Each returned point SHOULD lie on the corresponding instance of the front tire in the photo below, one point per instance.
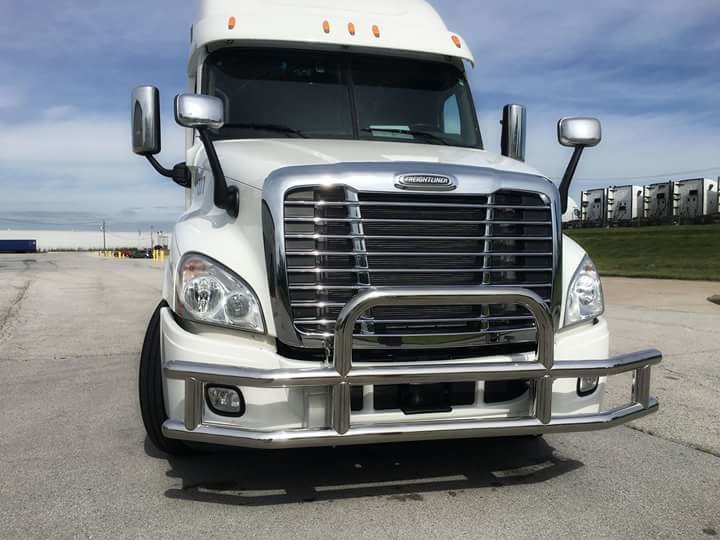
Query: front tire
(152, 400)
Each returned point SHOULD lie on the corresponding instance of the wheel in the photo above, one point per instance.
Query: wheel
(152, 402)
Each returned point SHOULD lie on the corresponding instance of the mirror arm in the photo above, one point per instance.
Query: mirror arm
(569, 175)
(179, 174)
(226, 197)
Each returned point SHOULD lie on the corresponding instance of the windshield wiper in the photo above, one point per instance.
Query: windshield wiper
(269, 127)
(415, 133)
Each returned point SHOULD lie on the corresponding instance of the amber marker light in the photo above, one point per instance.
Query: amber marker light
(351, 29)
(232, 22)
(376, 30)
(326, 27)
(457, 41)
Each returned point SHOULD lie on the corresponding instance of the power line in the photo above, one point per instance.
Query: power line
(649, 176)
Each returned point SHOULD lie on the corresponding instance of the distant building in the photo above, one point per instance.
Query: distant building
(84, 240)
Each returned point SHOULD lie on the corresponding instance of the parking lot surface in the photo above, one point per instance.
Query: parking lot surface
(74, 461)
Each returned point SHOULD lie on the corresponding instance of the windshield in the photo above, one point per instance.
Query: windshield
(273, 93)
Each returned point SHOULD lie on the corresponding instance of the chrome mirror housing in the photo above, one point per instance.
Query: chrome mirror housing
(577, 131)
(145, 113)
(198, 111)
(513, 132)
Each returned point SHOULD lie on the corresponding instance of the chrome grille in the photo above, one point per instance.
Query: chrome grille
(339, 241)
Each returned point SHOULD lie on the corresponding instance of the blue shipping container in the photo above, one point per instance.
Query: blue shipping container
(18, 246)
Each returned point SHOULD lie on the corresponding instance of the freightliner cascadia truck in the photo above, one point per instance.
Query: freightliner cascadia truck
(353, 267)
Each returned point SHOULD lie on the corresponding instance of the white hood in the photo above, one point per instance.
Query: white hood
(251, 161)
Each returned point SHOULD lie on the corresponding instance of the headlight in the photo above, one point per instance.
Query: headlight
(585, 296)
(209, 293)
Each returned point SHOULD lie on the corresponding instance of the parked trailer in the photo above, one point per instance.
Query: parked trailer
(595, 207)
(661, 202)
(573, 215)
(18, 246)
(698, 198)
(625, 203)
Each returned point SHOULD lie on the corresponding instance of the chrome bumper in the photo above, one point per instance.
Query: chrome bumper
(341, 376)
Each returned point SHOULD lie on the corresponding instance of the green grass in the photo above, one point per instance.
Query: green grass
(670, 252)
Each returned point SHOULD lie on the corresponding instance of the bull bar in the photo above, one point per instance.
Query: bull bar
(342, 375)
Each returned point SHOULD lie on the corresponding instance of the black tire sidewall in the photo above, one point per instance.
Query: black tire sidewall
(150, 386)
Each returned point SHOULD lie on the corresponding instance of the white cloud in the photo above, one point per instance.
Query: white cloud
(61, 142)
(82, 163)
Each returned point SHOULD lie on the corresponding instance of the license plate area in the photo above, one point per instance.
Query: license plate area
(413, 399)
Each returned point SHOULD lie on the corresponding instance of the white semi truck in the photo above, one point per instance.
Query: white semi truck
(353, 266)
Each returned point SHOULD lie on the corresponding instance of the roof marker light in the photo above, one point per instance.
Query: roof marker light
(232, 21)
(326, 27)
(376, 30)
(457, 41)
(351, 29)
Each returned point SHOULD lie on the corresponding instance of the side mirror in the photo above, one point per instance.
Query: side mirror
(513, 132)
(145, 108)
(579, 133)
(199, 111)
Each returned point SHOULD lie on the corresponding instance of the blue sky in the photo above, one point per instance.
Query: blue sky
(650, 69)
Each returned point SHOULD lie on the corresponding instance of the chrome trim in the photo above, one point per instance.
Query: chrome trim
(196, 111)
(380, 178)
(579, 131)
(445, 221)
(542, 371)
(360, 304)
(410, 254)
(514, 129)
(145, 120)
(486, 370)
(426, 182)
(385, 237)
(478, 270)
(395, 433)
(193, 403)
(328, 322)
(344, 287)
(400, 204)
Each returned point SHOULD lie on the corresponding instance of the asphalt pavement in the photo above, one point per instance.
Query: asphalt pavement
(74, 461)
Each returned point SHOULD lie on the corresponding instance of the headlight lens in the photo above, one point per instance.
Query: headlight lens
(207, 292)
(585, 298)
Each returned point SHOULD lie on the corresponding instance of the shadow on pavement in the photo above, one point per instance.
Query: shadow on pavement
(399, 471)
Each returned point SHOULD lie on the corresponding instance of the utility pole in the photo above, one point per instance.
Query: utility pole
(152, 245)
(104, 228)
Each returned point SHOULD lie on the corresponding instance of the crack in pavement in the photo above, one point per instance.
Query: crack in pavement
(13, 310)
(686, 444)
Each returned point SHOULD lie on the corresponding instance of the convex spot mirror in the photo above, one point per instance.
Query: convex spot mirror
(198, 111)
(145, 109)
(578, 131)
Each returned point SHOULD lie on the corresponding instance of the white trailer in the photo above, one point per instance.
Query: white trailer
(698, 198)
(573, 215)
(661, 202)
(595, 207)
(625, 203)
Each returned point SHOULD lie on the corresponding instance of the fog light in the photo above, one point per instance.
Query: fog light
(587, 385)
(225, 400)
